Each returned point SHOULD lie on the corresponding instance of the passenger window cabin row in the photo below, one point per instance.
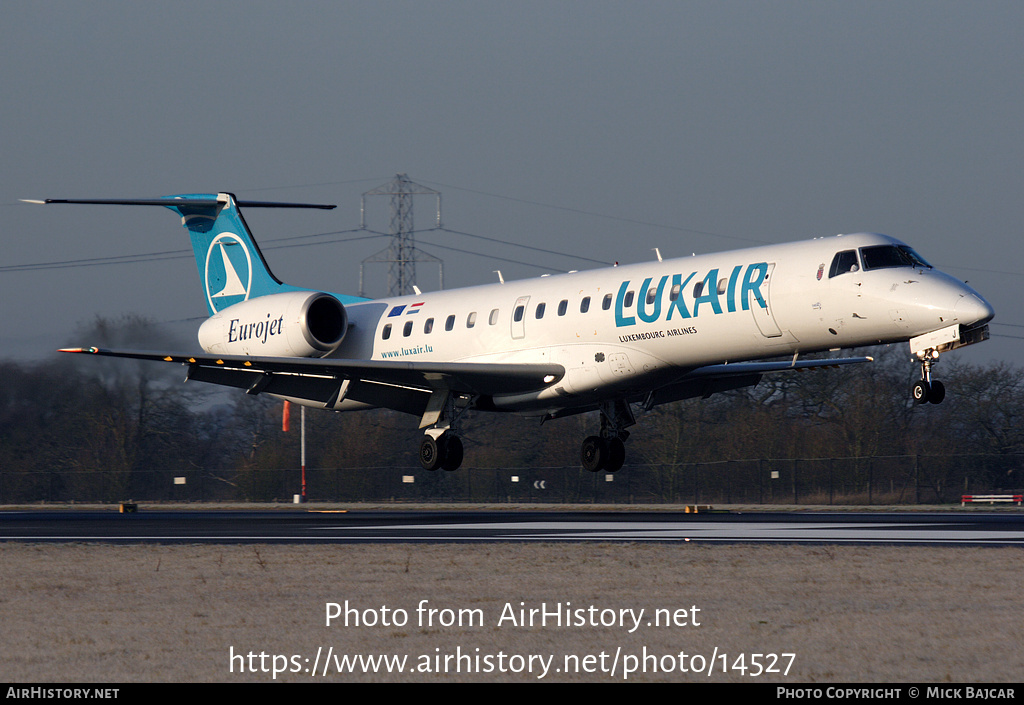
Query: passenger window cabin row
(492, 319)
(563, 306)
(875, 257)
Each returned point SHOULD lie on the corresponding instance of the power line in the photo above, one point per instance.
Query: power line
(527, 247)
(96, 261)
(294, 186)
(495, 257)
(177, 254)
(636, 221)
(289, 242)
(580, 211)
(954, 267)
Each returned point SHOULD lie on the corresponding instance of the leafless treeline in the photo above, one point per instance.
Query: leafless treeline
(84, 429)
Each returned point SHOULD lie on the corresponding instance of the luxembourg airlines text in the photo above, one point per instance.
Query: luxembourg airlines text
(651, 335)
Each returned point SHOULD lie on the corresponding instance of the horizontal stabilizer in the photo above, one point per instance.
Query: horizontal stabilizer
(175, 202)
(231, 267)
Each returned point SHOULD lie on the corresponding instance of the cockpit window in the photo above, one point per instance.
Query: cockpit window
(843, 263)
(882, 256)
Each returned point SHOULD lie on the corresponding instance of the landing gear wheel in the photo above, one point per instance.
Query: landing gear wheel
(616, 455)
(920, 392)
(594, 453)
(926, 389)
(431, 453)
(452, 452)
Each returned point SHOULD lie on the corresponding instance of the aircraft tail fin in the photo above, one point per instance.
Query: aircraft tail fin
(231, 266)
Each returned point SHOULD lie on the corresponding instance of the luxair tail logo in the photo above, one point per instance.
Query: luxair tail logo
(716, 293)
(228, 271)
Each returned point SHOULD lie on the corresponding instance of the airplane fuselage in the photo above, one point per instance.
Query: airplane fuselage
(624, 329)
(605, 339)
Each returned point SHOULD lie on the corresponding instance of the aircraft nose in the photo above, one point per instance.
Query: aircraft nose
(971, 309)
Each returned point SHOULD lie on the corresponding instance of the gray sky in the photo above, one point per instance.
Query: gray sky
(597, 128)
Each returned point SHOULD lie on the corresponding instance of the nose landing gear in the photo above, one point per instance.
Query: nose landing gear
(927, 390)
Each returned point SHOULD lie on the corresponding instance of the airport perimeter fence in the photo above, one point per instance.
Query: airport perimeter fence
(885, 480)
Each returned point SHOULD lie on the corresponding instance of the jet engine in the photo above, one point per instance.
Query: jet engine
(292, 324)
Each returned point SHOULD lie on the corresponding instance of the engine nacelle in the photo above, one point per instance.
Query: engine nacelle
(294, 324)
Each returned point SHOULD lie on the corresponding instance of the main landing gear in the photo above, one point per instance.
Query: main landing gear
(925, 389)
(608, 451)
(444, 451)
(441, 446)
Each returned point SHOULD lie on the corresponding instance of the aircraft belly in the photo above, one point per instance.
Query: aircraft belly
(582, 379)
(619, 374)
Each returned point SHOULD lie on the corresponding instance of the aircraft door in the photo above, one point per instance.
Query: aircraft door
(844, 287)
(519, 317)
(763, 313)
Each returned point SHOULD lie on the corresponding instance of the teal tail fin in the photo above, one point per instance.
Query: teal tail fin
(231, 266)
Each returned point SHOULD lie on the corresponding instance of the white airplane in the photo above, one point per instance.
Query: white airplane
(613, 339)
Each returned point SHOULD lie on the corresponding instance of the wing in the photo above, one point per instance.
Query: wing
(403, 386)
(408, 386)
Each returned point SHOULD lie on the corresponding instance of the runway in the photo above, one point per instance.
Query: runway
(307, 526)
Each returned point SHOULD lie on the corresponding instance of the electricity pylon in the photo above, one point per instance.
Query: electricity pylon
(402, 254)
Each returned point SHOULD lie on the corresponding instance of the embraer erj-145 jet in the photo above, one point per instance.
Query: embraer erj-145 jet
(614, 340)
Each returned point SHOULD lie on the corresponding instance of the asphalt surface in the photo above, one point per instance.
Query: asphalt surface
(313, 526)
